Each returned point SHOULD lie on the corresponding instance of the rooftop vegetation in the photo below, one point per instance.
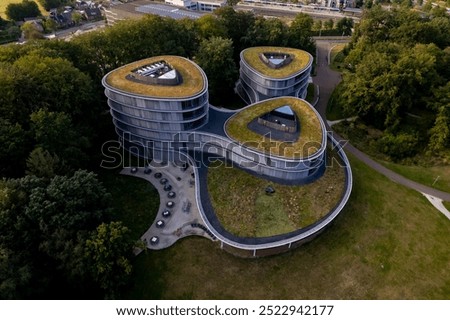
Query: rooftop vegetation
(300, 60)
(250, 212)
(192, 83)
(308, 142)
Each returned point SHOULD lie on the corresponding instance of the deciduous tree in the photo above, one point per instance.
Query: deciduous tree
(215, 57)
(19, 11)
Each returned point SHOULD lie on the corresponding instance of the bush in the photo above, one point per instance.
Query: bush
(399, 146)
(19, 11)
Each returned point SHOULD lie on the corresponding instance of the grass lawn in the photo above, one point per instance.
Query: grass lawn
(436, 177)
(447, 205)
(388, 243)
(135, 200)
(260, 215)
(337, 57)
(4, 4)
(335, 110)
(310, 93)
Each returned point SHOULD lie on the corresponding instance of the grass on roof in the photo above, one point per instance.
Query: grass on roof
(301, 60)
(193, 82)
(252, 213)
(308, 143)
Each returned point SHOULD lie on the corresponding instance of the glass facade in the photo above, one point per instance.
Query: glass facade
(264, 87)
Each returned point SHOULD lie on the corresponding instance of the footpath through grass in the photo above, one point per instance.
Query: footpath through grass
(337, 57)
(388, 243)
(437, 177)
(429, 171)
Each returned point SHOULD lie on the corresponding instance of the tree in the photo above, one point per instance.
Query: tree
(108, 253)
(399, 146)
(329, 24)
(211, 26)
(31, 31)
(20, 11)
(237, 24)
(54, 132)
(344, 26)
(55, 84)
(14, 145)
(300, 33)
(132, 40)
(14, 32)
(398, 62)
(268, 32)
(50, 25)
(215, 57)
(3, 22)
(318, 25)
(76, 17)
(42, 164)
(440, 132)
(52, 4)
(46, 223)
(14, 276)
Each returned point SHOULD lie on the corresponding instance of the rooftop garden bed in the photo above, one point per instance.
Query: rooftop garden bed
(308, 142)
(300, 61)
(244, 209)
(192, 79)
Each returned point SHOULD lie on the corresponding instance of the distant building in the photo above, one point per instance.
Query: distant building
(200, 5)
(92, 13)
(188, 4)
(63, 19)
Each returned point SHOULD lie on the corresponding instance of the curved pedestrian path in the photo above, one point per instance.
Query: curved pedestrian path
(327, 80)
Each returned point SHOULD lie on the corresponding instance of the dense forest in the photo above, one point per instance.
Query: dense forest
(398, 80)
(58, 236)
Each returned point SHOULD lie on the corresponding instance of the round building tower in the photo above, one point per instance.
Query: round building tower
(152, 100)
(268, 72)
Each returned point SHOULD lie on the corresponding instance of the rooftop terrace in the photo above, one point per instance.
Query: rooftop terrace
(308, 142)
(300, 60)
(192, 79)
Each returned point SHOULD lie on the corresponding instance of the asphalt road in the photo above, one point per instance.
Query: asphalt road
(327, 80)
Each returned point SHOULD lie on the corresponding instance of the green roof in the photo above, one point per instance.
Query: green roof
(193, 81)
(308, 142)
(301, 59)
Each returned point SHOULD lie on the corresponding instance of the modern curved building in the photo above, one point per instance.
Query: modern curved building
(160, 107)
(153, 99)
(267, 72)
(161, 112)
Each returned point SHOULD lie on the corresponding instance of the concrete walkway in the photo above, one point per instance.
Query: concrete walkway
(184, 219)
(328, 79)
(437, 203)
